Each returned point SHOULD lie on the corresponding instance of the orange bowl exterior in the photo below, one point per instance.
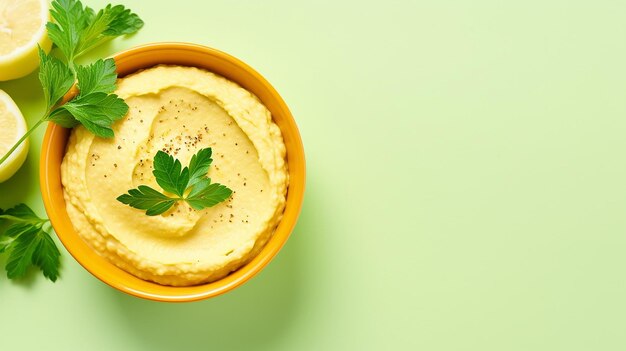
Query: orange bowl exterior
(132, 60)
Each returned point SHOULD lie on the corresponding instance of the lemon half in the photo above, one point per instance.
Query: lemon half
(22, 28)
(12, 127)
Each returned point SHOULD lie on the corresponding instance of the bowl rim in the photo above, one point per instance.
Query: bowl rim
(54, 202)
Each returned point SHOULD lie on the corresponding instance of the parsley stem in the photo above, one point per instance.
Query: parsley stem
(19, 142)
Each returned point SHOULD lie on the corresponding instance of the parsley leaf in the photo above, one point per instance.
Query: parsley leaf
(123, 21)
(22, 213)
(205, 194)
(5, 241)
(46, 256)
(70, 19)
(99, 77)
(28, 243)
(174, 179)
(21, 252)
(112, 21)
(17, 229)
(79, 29)
(146, 198)
(96, 111)
(63, 118)
(169, 175)
(56, 78)
(199, 165)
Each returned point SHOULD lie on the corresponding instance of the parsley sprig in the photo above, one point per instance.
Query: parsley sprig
(190, 184)
(79, 29)
(26, 239)
(76, 30)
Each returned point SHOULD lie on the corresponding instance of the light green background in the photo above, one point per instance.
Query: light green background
(466, 184)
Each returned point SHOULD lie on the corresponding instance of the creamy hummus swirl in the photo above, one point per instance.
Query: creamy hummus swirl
(179, 110)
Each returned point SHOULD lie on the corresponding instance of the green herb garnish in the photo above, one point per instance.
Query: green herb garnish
(23, 237)
(189, 184)
(77, 30)
(94, 107)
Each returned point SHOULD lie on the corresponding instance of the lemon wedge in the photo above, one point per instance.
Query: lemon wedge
(13, 126)
(22, 28)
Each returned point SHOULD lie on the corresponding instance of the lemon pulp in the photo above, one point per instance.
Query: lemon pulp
(22, 28)
(12, 127)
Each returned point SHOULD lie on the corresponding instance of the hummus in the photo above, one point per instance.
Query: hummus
(179, 110)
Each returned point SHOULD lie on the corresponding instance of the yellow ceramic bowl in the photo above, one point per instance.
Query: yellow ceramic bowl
(130, 61)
